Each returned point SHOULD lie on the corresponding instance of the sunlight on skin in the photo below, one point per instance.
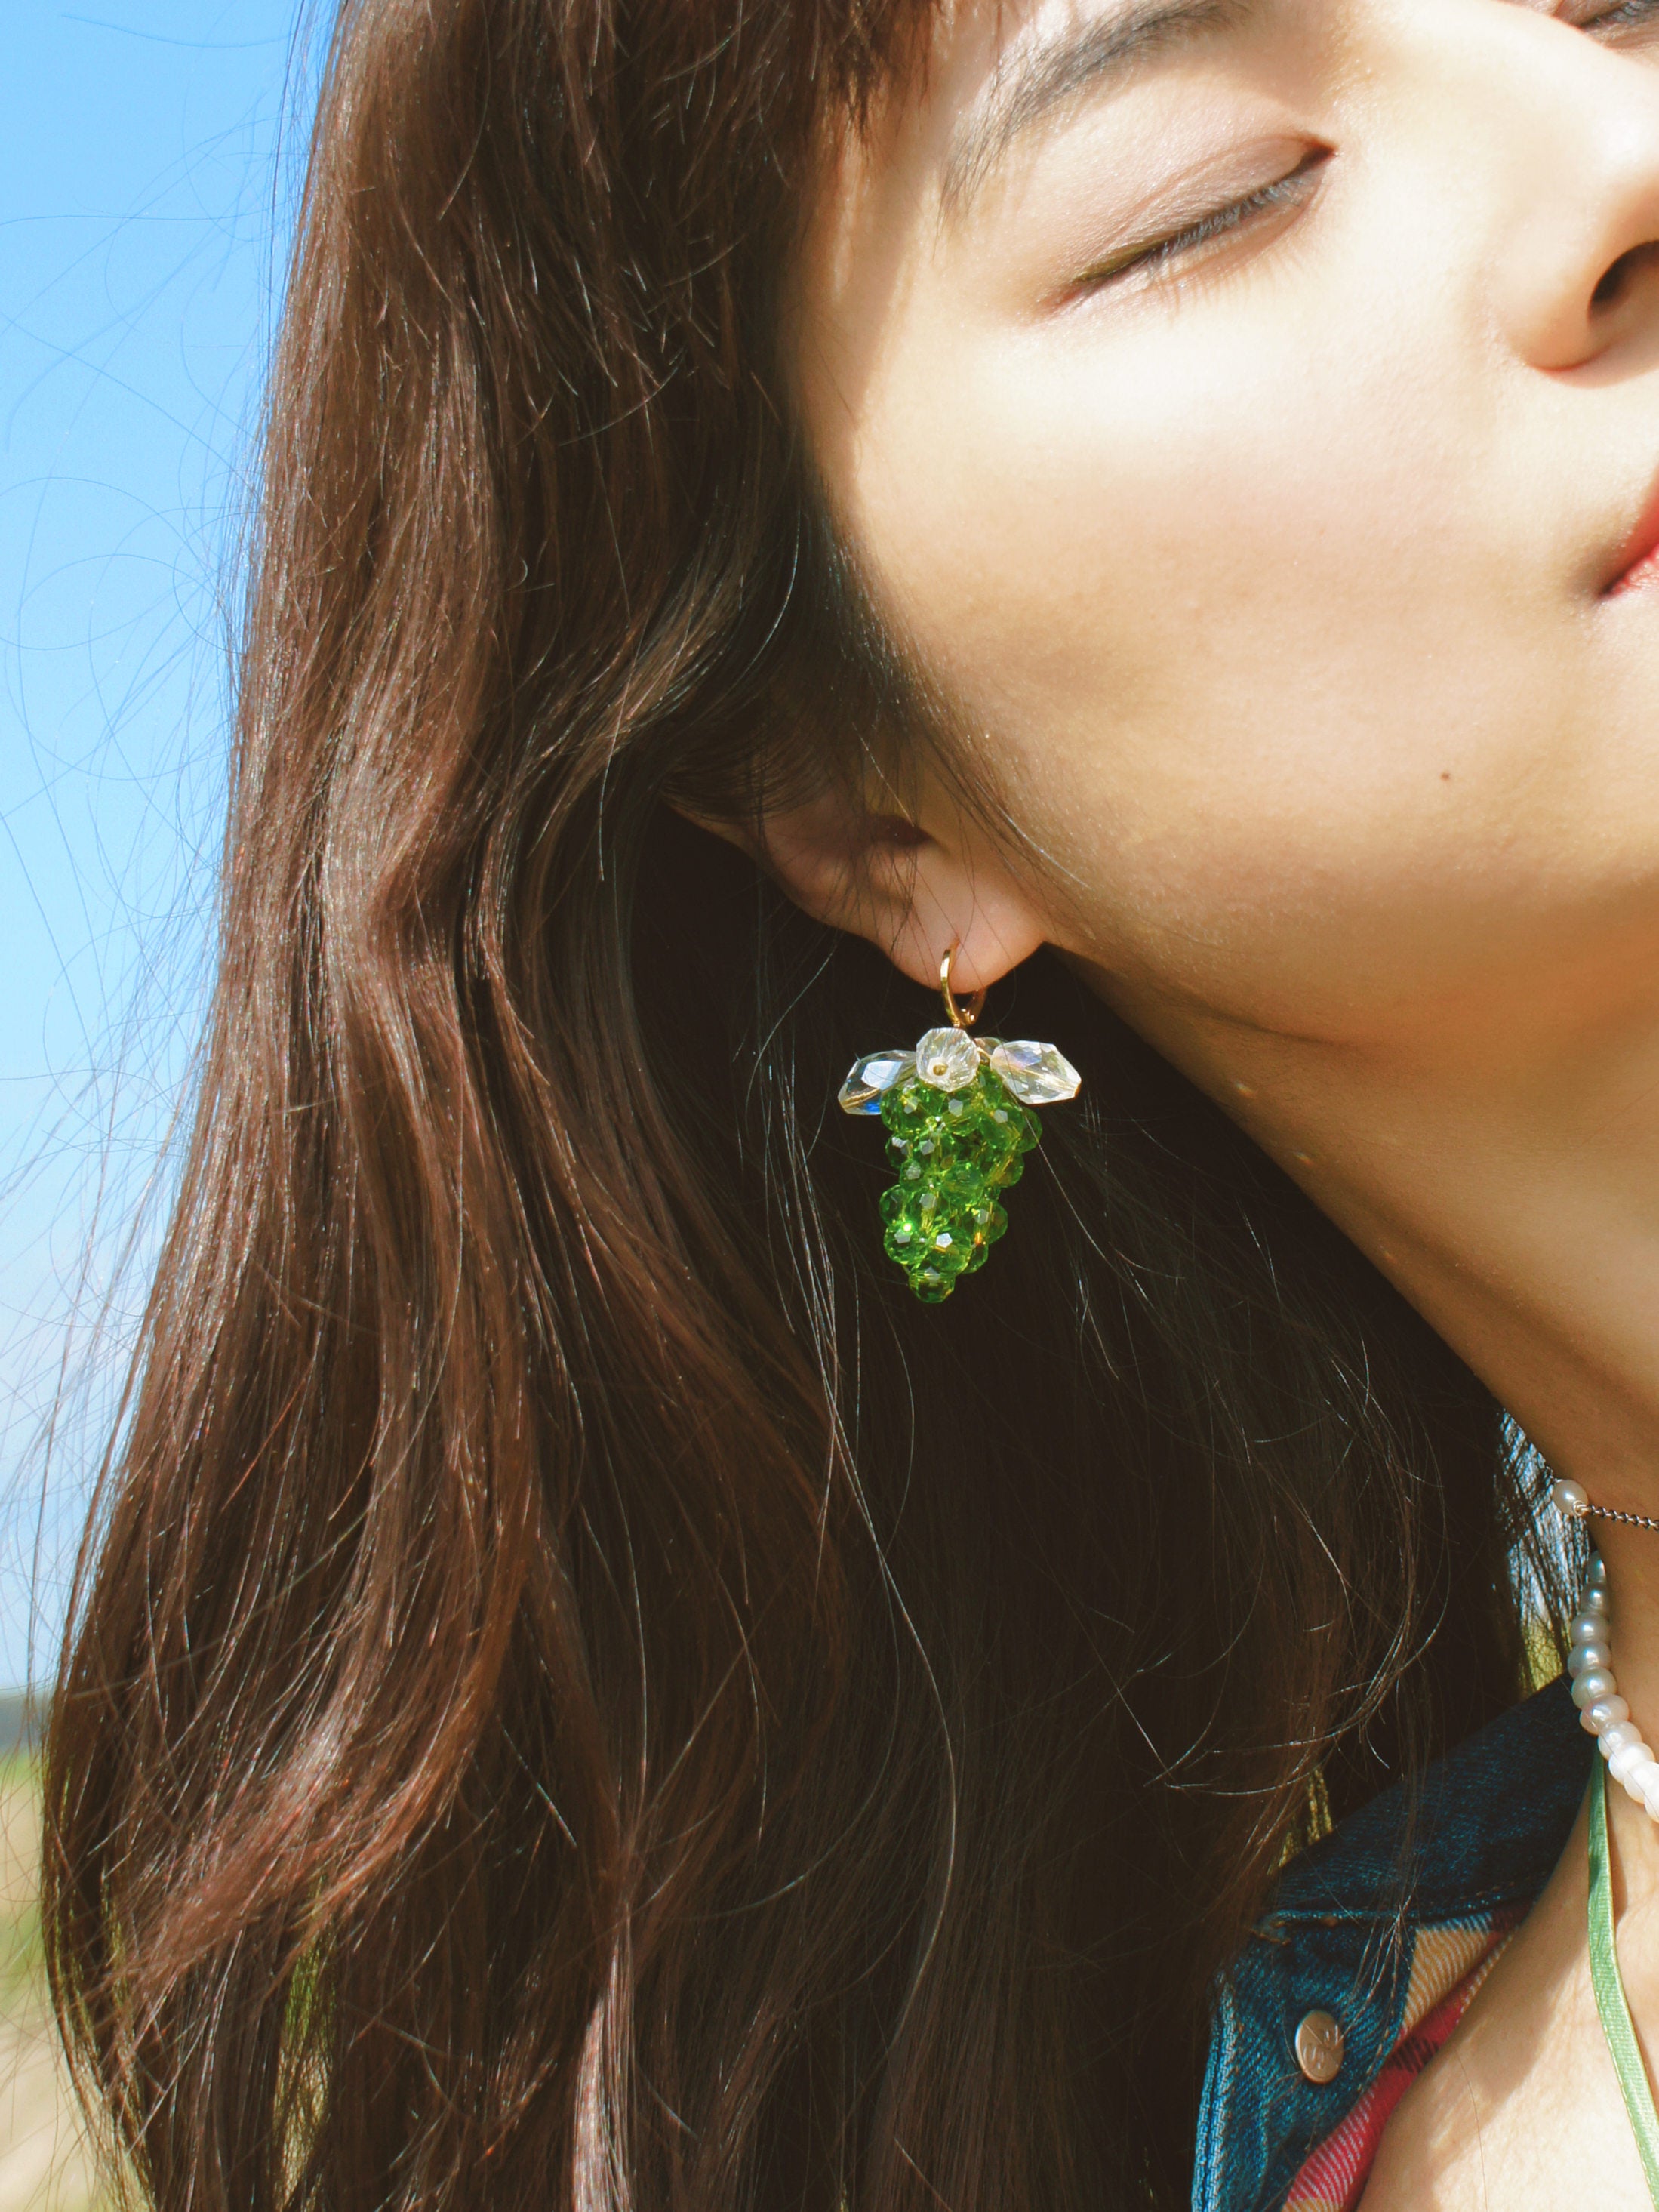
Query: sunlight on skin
(1293, 577)
(1279, 584)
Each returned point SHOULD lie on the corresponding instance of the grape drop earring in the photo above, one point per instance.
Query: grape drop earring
(958, 1127)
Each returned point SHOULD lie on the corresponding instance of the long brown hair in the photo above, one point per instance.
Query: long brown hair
(583, 1694)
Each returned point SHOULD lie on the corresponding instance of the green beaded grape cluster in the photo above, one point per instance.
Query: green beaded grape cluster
(955, 1151)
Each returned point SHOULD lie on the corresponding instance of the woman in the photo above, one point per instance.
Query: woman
(587, 1691)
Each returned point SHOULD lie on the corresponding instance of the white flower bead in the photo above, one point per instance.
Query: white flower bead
(1590, 1659)
(1604, 1712)
(947, 1059)
(1589, 1687)
(1569, 1496)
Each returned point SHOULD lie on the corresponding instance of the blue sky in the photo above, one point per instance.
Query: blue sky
(148, 162)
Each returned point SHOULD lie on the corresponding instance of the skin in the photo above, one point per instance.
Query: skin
(1274, 580)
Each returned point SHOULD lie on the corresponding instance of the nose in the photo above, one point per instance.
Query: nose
(1574, 135)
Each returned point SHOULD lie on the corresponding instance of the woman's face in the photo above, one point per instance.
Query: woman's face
(1250, 411)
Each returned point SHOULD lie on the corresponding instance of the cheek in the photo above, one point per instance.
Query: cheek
(1141, 527)
(1252, 672)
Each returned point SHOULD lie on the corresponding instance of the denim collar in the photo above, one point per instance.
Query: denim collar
(1492, 1819)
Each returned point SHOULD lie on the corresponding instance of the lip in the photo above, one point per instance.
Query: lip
(1639, 557)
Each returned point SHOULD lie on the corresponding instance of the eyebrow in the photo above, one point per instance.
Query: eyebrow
(1023, 91)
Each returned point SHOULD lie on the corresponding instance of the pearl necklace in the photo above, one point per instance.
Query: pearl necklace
(1606, 1714)
(1589, 1663)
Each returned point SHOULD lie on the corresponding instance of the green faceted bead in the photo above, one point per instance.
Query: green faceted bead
(949, 1243)
(918, 1141)
(931, 1287)
(904, 1241)
(910, 1212)
(987, 1224)
(962, 1184)
(994, 1125)
(1009, 1172)
(923, 1165)
(961, 1111)
(909, 1108)
(1017, 1130)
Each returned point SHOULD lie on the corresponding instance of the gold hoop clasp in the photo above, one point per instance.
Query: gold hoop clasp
(962, 1018)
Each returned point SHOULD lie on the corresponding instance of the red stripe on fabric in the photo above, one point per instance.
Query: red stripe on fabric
(1333, 2176)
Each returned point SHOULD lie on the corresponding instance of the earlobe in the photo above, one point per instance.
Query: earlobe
(912, 892)
(976, 909)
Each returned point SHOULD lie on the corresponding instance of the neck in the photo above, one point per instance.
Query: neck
(1507, 1181)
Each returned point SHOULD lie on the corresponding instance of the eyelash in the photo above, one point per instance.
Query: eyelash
(1151, 261)
(1622, 16)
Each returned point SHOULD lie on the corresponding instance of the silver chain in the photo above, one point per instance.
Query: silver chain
(1606, 1513)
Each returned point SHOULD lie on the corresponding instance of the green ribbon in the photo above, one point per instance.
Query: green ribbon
(1609, 1987)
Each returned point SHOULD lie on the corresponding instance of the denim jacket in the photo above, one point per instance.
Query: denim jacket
(1345, 1919)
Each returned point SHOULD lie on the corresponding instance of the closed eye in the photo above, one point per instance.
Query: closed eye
(1609, 18)
(1153, 258)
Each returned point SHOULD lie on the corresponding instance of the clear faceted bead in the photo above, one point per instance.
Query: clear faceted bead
(1036, 1073)
(871, 1078)
(947, 1059)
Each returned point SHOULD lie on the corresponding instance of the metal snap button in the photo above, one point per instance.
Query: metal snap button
(1319, 2047)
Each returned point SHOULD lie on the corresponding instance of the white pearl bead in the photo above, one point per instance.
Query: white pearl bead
(1600, 1709)
(1569, 1496)
(1626, 1759)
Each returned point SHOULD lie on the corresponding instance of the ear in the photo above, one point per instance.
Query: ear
(914, 889)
